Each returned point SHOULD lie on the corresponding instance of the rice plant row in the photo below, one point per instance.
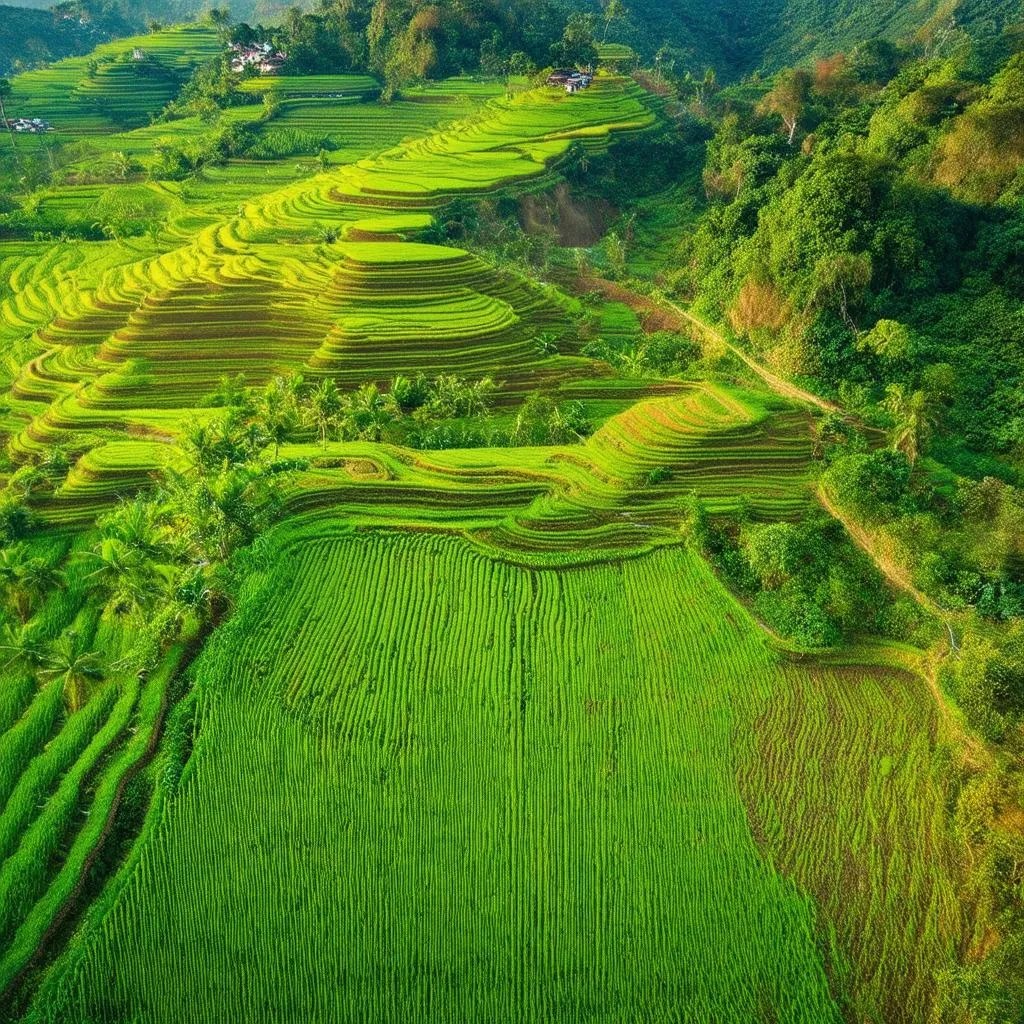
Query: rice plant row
(97, 749)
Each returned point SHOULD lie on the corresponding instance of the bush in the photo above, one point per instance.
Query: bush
(873, 486)
(277, 143)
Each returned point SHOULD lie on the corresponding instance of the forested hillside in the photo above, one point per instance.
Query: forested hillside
(790, 30)
(733, 38)
(31, 37)
(736, 38)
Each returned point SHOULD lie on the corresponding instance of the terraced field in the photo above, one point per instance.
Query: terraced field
(517, 795)
(107, 89)
(139, 345)
(483, 739)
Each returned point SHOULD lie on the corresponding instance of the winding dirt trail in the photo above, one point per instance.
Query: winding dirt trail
(974, 750)
(664, 314)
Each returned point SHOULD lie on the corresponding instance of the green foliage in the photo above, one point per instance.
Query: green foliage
(874, 486)
(273, 270)
(402, 43)
(659, 354)
(35, 37)
(576, 48)
(541, 420)
(807, 581)
(880, 249)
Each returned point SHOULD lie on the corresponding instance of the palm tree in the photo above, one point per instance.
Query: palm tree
(122, 164)
(201, 443)
(26, 581)
(139, 527)
(914, 420)
(364, 413)
(135, 558)
(479, 396)
(323, 407)
(130, 580)
(20, 650)
(278, 413)
(76, 670)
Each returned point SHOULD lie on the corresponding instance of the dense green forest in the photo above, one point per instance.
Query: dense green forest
(733, 38)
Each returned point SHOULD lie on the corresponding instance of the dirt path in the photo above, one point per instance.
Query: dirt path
(896, 574)
(974, 750)
(666, 315)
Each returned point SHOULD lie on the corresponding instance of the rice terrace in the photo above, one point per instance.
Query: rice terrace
(510, 513)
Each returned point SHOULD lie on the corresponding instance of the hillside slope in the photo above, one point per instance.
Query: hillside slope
(738, 37)
(793, 29)
(36, 36)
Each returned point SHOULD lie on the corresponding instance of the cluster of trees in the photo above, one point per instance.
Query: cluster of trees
(962, 539)
(742, 36)
(158, 568)
(807, 581)
(660, 354)
(401, 41)
(291, 409)
(446, 411)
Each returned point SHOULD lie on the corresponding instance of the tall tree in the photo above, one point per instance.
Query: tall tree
(5, 92)
(914, 420)
(787, 99)
(323, 407)
(613, 11)
(26, 581)
(576, 47)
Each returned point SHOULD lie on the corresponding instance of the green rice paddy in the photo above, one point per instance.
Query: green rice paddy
(431, 786)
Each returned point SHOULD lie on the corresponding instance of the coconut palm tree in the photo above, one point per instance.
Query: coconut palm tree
(76, 670)
(914, 420)
(135, 558)
(130, 581)
(323, 407)
(613, 10)
(26, 581)
(18, 649)
(122, 164)
(364, 414)
(140, 526)
(277, 413)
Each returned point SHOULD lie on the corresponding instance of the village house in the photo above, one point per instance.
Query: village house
(33, 125)
(260, 56)
(570, 79)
